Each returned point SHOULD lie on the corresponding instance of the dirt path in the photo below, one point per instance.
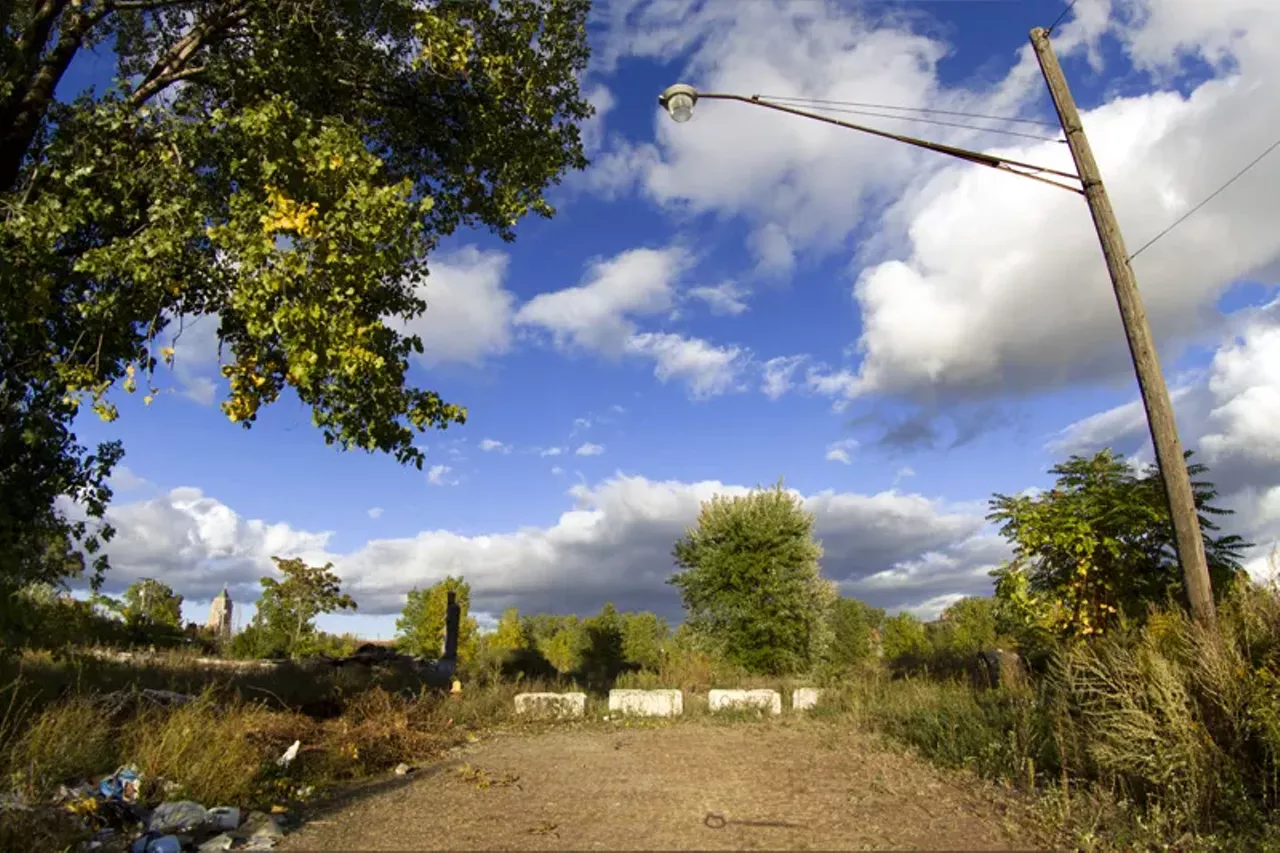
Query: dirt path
(652, 788)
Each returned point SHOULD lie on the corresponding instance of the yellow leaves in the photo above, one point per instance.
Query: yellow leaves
(288, 215)
(335, 162)
(166, 353)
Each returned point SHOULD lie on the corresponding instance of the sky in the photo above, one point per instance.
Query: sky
(752, 296)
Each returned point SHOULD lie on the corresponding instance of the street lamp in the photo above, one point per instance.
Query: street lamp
(679, 101)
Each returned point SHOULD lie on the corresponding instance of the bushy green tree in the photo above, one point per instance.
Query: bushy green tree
(287, 608)
(282, 170)
(421, 627)
(852, 625)
(644, 639)
(151, 601)
(904, 641)
(1099, 545)
(751, 581)
(509, 634)
(565, 647)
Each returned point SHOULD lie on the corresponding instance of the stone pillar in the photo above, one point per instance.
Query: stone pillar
(452, 618)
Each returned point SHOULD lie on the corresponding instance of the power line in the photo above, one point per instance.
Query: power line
(1208, 198)
(935, 121)
(909, 109)
(1060, 17)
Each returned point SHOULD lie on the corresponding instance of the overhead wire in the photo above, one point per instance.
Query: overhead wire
(864, 105)
(1183, 218)
(1060, 17)
(932, 121)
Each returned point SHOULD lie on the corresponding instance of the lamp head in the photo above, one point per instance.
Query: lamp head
(678, 101)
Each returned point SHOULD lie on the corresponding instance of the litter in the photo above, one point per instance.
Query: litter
(403, 769)
(153, 843)
(260, 825)
(289, 754)
(224, 818)
(217, 843)
(124, 784)
(182, 816)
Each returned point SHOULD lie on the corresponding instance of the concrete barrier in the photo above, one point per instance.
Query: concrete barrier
(732, 700)
(804, 698)
(551, 704)
(647, 703)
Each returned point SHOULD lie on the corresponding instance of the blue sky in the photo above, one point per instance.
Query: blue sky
(751, 296)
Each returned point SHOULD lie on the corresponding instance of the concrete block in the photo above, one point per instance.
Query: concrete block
(551, 704)
(647, 703)
(725, 700)
(804, 698)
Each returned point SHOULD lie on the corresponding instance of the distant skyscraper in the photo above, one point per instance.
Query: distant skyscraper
(220, 615)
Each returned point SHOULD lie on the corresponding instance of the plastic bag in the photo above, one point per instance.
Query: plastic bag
(182, 816)
(122, 785)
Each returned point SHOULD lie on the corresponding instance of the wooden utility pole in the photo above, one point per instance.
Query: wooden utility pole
(1155, 394)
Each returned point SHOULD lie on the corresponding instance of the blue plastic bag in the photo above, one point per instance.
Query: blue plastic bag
(122, 785)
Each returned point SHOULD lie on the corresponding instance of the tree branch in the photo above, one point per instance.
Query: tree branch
(172, 65)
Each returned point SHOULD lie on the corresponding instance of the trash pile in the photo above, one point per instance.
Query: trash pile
(114, 811)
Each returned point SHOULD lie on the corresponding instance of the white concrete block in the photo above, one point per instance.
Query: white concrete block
(551, 704)
(804, 698)
(725, 700)
(647, 703)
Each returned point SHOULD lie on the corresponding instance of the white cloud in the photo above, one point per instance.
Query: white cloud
(838, 451)
(707, 370)
(123, 479)
(613, 543)
(441, 475)
(195, 356)
(491, 445)
(589, 449)
(777, 374)
(557, 470)
(724, 298)
(597, 315)
(375, 512)
(468, 314)
(593, 131)
(551, 451)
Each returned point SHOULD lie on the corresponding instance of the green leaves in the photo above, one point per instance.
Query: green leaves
(291, 187)
(752, 582)
(421, 626)
(1099, 546)
(287, 608)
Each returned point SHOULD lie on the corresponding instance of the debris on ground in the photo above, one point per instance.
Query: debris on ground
(183, 816)
(118, 700)
(217, 843)
(124, 785)
(289, 754)
(403, 769)
(156, 843)
(224, 818)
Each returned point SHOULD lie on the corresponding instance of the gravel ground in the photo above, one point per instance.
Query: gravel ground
(807, 785)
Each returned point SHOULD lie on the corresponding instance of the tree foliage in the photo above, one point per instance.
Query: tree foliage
(287, 608)
(1099, 546)
(421, 627)
(282, 169)
(852, 624)
(152, 601)
(751, 581)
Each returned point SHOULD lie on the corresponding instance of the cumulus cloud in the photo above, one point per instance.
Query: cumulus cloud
(375, 512)
(598, 315)
(551, 451)
(589, 449)
(724, 298)
(468, 314)
(838, 451)
(441, 475)
(776, 375)
(706, 369)
(492, 445)
(613, 542)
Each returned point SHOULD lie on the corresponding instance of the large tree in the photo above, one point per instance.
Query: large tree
(282, 168)
(751, 581)
(287, 608)
(1099, 545)
(151, 601)
(421, 626)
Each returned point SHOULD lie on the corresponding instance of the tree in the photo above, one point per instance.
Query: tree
(421, 626)
(852, 623)
(751, 581)
(509, 635)
(644, 639)
(904, 641)
(1099, 545)
(602, 654)
(287, 608)
(282, 170)
(154, 602)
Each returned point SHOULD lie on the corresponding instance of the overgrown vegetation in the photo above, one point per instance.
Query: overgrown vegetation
(1142, 732)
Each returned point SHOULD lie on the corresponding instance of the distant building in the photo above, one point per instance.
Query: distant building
(220, 615)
